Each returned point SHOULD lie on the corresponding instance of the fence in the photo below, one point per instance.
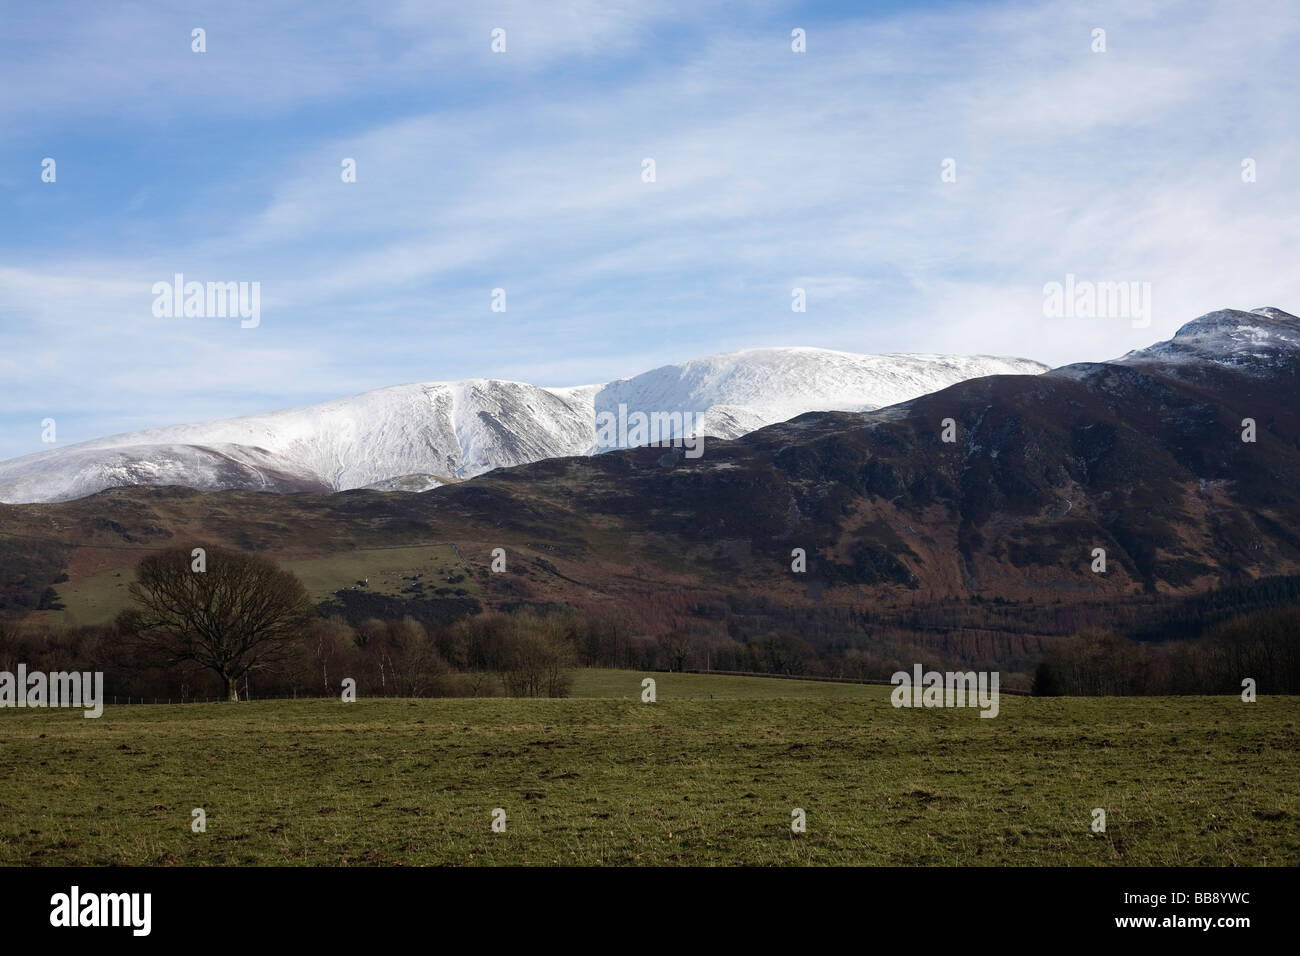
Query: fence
(135, 701)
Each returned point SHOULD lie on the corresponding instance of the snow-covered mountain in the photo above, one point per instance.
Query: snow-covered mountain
(1260, 338)
(1260, 341)
(414, 437)
(738, 392)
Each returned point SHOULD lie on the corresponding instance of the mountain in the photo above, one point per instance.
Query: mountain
(738, 392)
(1261, 341)
(416, 437)
(982, 545)
(974, 552)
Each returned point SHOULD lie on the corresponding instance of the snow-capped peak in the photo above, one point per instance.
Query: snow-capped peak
(415, 436)
(1229, 337)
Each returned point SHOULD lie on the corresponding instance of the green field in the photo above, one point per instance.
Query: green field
(388, 569)
(93, 600)
(626, 685)
(686, 780)
(100, 597)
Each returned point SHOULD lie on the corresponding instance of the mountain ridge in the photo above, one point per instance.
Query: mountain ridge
(978, 549)
(389, 437)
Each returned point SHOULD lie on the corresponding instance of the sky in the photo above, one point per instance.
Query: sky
(825, 170)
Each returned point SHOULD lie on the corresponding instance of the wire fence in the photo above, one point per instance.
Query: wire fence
(135, 701)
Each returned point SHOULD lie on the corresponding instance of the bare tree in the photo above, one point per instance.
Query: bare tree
(9, 646)
(537, 661)
(241, 613)
(676, 647)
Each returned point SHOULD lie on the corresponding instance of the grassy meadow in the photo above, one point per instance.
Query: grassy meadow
(626, 685)
(709, 774)
(99, 597)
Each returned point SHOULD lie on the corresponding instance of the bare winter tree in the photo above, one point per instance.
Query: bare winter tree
(8, 646)
(676, 646)
(237, 614)
(537, 661)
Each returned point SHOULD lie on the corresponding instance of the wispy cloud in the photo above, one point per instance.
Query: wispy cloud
(523, 171)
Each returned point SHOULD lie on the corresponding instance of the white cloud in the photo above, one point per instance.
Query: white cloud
(774, 170)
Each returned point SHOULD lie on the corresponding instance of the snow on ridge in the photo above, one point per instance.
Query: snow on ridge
(774, 385)
(415, 431)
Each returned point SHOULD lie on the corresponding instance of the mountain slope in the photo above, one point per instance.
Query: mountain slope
(413, 437)
(738, 392)
(977, 550)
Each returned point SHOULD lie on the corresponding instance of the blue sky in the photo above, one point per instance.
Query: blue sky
(522, 170)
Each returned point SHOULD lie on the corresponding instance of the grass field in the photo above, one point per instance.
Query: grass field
(684, 780)
(99, 597)
(389, 570)
(92, 600)
(626, 685)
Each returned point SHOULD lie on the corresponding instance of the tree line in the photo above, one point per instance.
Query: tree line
(1263, 647)
(244, 627)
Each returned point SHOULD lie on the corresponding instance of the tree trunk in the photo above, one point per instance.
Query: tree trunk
(232, 688)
